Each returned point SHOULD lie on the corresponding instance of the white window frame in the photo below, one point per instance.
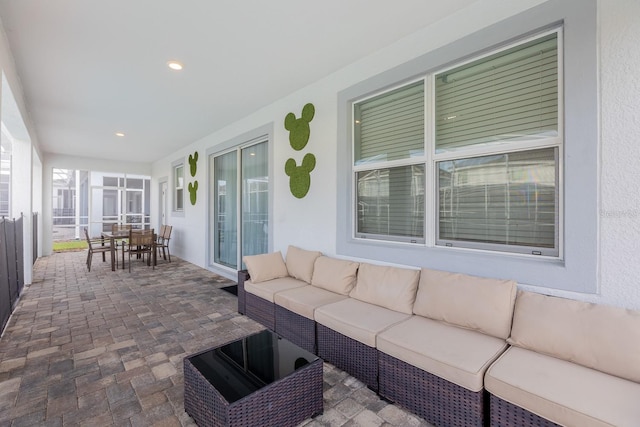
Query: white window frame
(556, 142)
(431, 158)
(377, 165)
(177, 210)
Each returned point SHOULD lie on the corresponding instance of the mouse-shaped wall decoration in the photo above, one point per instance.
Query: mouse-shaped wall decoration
(299, 133)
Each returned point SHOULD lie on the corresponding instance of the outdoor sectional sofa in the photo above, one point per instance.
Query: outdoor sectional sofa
(457, 350)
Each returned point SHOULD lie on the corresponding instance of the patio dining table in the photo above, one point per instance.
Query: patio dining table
(112, 236)
(122, 234)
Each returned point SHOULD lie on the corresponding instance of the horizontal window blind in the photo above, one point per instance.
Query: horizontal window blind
(507, 199)
(390, 202)
(511, 95)
(390, 126)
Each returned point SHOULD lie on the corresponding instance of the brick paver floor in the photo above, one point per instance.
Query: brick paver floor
(105, 348)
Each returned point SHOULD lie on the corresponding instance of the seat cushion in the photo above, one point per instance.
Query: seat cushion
(390, 287)
(458, 355)
(265, 267)
(358, 320)
(300, 262)
(306, 299)
(593, 335)
(267, 290)
(563, 392)
(478, 303)
(335, 275)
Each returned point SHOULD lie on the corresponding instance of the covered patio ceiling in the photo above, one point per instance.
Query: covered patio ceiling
(92, 69)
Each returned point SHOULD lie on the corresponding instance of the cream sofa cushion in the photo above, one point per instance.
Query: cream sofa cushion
(358, 320)
(265, 266)
(268, 289)
(458, 355)
(563, 392)
(593, 335)
(390, 287)
(335, 275)
(306, 299)
(478, 303)
(300, 262)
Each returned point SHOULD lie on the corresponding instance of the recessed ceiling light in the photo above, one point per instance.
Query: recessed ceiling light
(120, 134)
(174, 65)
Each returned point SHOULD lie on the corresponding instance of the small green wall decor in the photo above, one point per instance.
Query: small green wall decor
(299, 133)
(300, 176)
(193, 160)
(193, 168)
(193, 187)
(299, 130)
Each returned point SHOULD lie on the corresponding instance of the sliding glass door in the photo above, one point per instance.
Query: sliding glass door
(239, 204)
(225, 173)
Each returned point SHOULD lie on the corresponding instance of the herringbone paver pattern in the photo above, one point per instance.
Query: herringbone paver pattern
(105, 348)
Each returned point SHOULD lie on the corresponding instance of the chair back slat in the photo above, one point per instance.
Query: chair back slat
(86, 235)
(167, 232)
(140, 237)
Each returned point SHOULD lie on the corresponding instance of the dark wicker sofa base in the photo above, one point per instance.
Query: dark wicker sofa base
(505, 414)
(358, 359)
(260, 310)
(243, 275)
(438, 401)
(297, 329)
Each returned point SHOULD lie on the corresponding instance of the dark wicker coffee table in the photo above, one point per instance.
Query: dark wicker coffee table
(260, 380)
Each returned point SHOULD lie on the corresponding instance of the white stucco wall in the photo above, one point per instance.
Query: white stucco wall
(620, 152)
(311, 222)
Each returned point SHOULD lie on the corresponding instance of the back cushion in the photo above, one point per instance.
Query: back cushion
(265, 267)
(300, 263)
(477, 303)
(592, 335)
(334, 275)
(390, 287)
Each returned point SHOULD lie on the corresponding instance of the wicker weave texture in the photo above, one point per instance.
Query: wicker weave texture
(201, 401)
(260, 310)
(358, 359)
(297, 329)
(505, 414)
(286, 402)
(243, 275)
(437, 400)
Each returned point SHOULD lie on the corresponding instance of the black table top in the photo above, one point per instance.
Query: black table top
(242, 367)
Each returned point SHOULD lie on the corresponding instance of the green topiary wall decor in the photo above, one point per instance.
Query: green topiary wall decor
(299, 133)
(193, 159)
(193, 187)
(300, 176)
(299, 130)
(193, 168)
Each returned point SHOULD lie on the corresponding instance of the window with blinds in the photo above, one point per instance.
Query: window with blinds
(390, 126)
(178, 186)
(507, 199)
(509, 96)
(495, 154)
(390, 200)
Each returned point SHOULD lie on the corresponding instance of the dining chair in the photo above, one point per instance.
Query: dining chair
(141, 243)
(96, 246)
(122, 231)
(163, 240)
